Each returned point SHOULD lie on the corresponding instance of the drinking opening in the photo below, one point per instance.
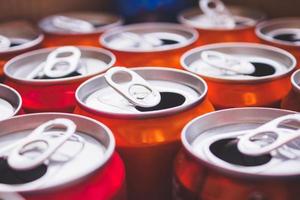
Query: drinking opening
(262, 69)
(288, 37)
(168, 100)
(227, 150)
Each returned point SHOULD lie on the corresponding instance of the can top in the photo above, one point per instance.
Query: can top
(14, 39)
(283, 31)
(53, 65)
(295, 80)
(10, 102)
(243, 18)
(92, 143)
(241, 62)
(213, 140)
(79, 23)
(178, 90)
(148, 37)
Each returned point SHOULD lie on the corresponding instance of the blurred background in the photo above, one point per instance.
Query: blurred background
(132, 10)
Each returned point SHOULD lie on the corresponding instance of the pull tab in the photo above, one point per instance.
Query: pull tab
(271, 133)
(61, 62)
(49, 140)
(146, 41)
(227, 62)
(218, 13)
(4, 43)
(132, 87)
(72, 24)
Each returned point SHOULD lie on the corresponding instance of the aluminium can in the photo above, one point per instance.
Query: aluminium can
(10, 102)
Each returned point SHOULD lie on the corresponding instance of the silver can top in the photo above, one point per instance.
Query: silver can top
(178, 91)
(148, 37)
(13, 38)
(78, 23)
(284, 31)
(216, 140)
(239, 62)
(10, 102)
(52, 65)
(295, 80)
(214, 15)
(47, 150)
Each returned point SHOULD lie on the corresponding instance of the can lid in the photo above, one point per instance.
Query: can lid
(45, 148)
(220, 17)
(284, 31)
(148, 37)
(78, 23)
(10, 102)
(52, 65)
(214, 139)
(239, 62)
(178, 90)
(12, 38)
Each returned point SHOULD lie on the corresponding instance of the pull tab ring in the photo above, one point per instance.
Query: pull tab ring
(227, 62)
(72, 24)
(144, 41)
(17, 158)
(280, 135)
(135, 89)
(4, 43)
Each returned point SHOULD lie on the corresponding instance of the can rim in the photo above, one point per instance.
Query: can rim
(99, 30)
(183, 20)
(60, 80)
(116, 30)
(150, 114)
(264, 24)
(295, 85)
(106, 156)
(190, 150)
(239, 44)
(38, 40)
(15, 92)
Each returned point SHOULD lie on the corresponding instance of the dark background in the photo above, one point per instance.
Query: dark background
(133, 10)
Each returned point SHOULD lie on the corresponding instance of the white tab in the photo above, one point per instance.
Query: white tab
(4, 43)
(227, 62)
(73, 24)
(280, 136)
(60, 63)
(218, 13)
(132, 87)
(51, 141)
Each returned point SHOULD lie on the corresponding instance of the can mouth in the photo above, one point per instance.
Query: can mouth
(179, 91)
(282, 31)
(244, 17)
(100, 23)
(29, 61)
(269, 62)
(169, 36)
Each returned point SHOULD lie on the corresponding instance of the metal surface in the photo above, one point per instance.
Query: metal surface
(10, 102)
(97, 96)
(281, 62)
(148, 37)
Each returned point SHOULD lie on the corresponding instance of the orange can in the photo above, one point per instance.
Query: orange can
(149, 44)
(17, 37)
(76, 28)
(242, 74)
(292, 100)
(147, 137)
(283, 33)
(217, 23)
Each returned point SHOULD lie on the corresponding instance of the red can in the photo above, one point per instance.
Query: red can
(59, 156)
(147, 137)
(216, 23)
(47, 78)
(292, 100)
(242, 74)
(17, 37)
(212, 166)
(149, 44)
(282, 32)
(77, 28)
(10, 102)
